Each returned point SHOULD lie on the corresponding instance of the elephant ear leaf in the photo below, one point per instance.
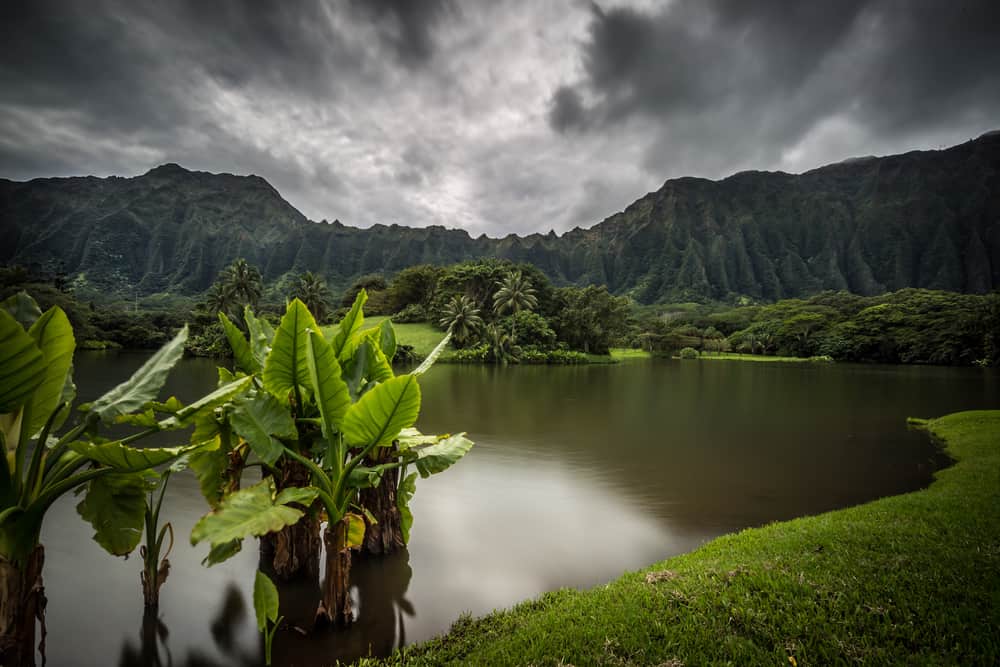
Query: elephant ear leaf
(265, 600)
(352, 322)
(329, 388)
(261, 335)
(387, 339)
(22, 308)
(251, 511)
(286, 366)
(131, 459)
(53, 334)
(22, 365)
(144, 385)
(261, 420)
(115, 505)
(379, 416)
(242, 354)
(442, 455)
(404, 494)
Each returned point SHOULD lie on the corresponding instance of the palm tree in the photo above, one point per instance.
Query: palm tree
(502, 347)
(311, 290)
(462, 317)
(220, 299)
(245, 282)
(515, 294)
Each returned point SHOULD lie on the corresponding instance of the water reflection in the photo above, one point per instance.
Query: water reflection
(577, 475)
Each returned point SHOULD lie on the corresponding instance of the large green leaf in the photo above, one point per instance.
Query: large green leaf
(22, 308)
(115, 505)
(245, 360)
(53, 334)
(209, 465)
(130, 459)
(432, 357)
(443, 455)
(329, 389)
(261, 335)
(144, 384)
(379, 416)
(250, 511)
(404, 494)
(351, 323)
(22, 366)
(219, 553)
(286, 365)
(387, 339)
(261, 419)
(265, 600)
(377, 367)
(206, 404)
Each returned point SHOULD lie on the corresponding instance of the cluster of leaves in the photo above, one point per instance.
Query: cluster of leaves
(480, 300)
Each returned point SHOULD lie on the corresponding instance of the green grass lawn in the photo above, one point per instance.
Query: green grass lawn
(911, 579)
(422, 336)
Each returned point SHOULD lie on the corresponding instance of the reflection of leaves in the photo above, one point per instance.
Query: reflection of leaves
(226, 623)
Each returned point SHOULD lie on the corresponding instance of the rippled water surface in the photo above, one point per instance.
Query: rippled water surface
(578, 474)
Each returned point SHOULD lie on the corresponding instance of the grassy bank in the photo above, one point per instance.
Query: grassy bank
(422, 335)
(907, 579)
(736, 356)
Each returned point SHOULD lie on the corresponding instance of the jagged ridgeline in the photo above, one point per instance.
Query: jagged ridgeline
(922, 219)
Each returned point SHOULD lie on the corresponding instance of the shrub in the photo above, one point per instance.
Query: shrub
(411, 314)
(688, 353)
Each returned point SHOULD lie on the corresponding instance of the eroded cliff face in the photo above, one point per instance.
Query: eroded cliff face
(922, 219)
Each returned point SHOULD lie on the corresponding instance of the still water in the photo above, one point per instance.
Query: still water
(578, 474)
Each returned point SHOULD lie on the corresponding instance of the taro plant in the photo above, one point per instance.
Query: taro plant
(331, 405)
(265, 604)
(41, 463)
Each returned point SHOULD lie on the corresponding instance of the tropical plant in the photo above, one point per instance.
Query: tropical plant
(265, 604)
(220, 298)
(589, 318)
(39, 466)
(461, 317)
(244, 281)
(311, 290)
(330, 405)
(513, 295)
(501, 345)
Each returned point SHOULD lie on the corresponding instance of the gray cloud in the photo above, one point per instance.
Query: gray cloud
(499, 116)
(726, 84)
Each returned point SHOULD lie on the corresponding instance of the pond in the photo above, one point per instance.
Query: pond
(578, 474)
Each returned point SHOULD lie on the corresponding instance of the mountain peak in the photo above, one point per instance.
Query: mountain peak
(167, 169)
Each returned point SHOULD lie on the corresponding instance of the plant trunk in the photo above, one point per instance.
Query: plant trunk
(294, 550)
(152, 577)
(385, 536)
(335, 604)
(22, 603)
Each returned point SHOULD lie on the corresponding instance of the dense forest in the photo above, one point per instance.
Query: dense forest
(926, 219)
(503, 312)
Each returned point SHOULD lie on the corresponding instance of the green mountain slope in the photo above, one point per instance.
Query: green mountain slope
(921, 219)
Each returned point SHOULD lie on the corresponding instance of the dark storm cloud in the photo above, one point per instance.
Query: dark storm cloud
(751, 80)
(406, 24)
(496, 116)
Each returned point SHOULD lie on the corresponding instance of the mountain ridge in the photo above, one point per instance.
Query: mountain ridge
(868, 225)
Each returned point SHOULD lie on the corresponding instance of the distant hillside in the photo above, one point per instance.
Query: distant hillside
(921, 219)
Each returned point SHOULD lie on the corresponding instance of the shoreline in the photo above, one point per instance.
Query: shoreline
(904, 578)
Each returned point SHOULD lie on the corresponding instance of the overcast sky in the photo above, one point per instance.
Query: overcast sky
(493, 116)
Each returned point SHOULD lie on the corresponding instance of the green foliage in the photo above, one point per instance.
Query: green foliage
(412, 313)
(461, 316)
(532, 329)
(256, 510)
(413, 290)
(589, 318)
(265, 605)
(311, 290)
(688, 353)
(115, 505)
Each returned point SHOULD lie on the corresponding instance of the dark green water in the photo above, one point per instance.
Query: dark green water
(578, 474)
